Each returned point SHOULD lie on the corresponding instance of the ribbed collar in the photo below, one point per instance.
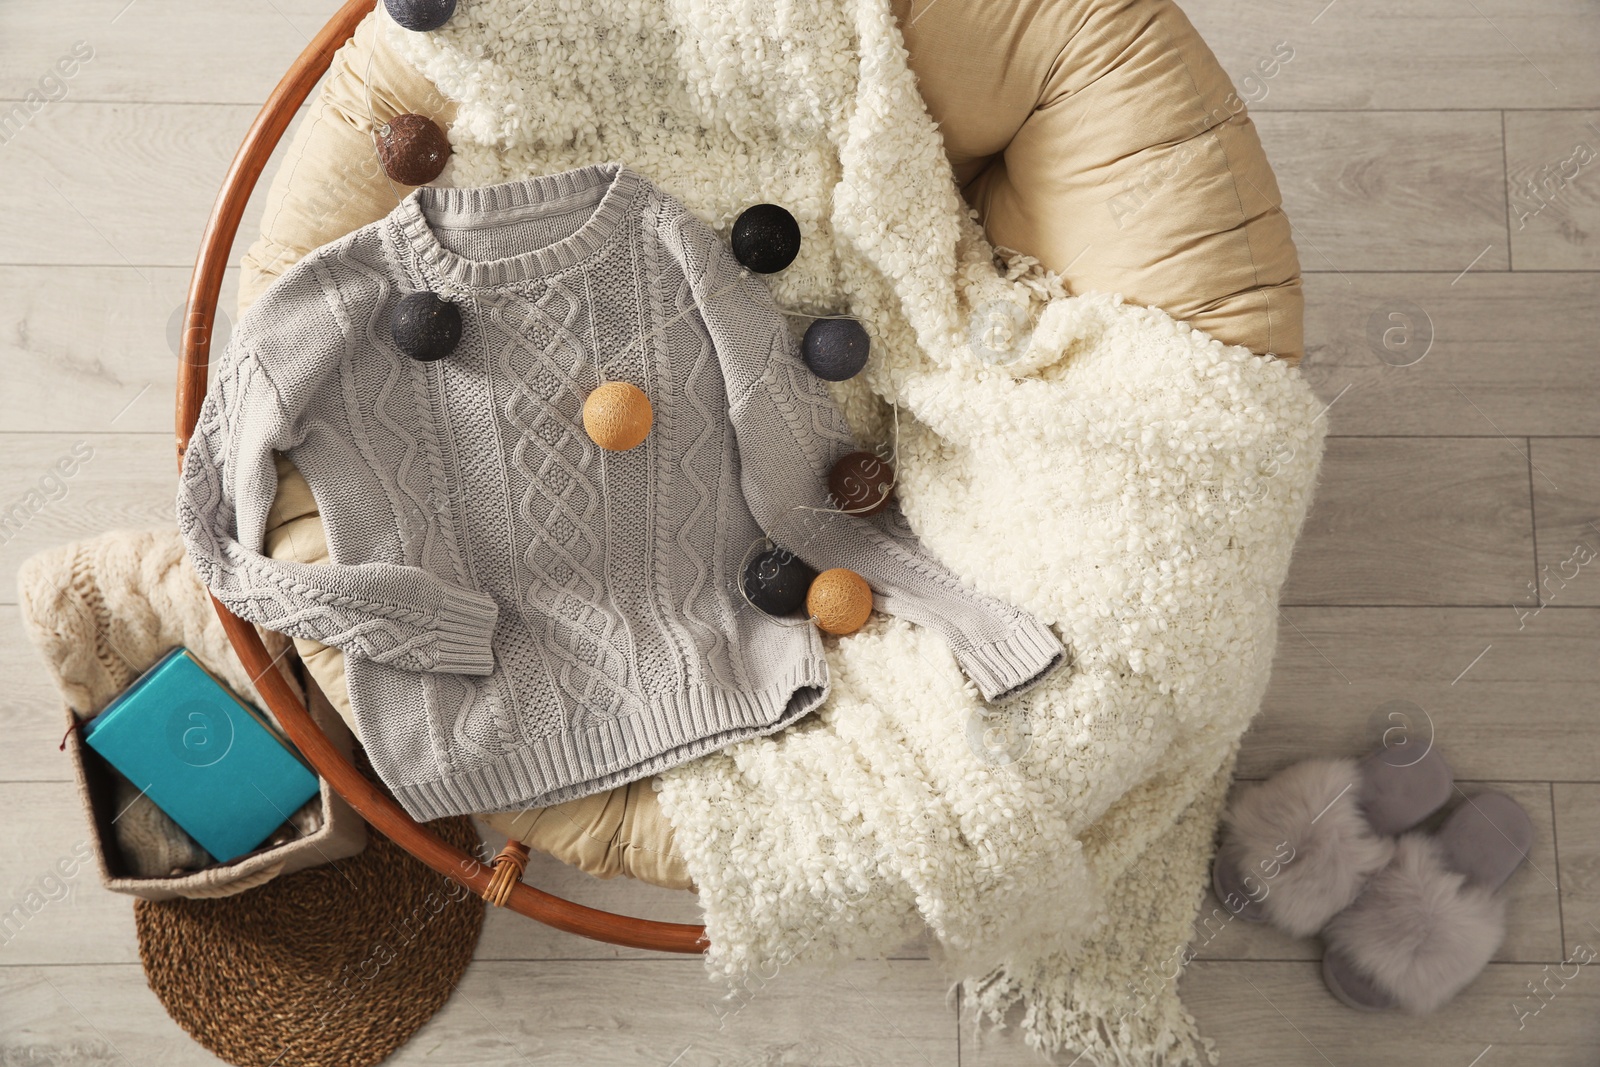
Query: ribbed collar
(429, 205)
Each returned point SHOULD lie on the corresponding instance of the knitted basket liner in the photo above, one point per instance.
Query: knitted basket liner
(334, 966)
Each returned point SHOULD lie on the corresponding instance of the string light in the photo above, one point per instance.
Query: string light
(630, 415)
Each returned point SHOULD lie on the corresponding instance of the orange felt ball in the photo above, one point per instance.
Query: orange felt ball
(617, 416)
(839, 601)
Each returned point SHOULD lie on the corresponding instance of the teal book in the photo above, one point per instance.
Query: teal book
(205, 757)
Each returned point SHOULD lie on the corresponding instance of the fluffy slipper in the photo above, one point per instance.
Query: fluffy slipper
(1298, 848)
(1426, 924)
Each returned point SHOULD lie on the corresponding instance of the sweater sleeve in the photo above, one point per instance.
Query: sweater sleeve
(790, 433)
(398, 615)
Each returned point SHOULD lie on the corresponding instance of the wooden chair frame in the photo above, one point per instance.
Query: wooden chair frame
(361, 793)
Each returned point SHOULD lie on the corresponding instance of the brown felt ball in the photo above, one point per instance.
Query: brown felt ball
(861, 483)
(839, 601)
(617, 416)
(413, 149)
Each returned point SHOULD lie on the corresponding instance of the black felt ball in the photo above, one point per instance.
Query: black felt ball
(776, 582)
(766, 238)
(835, 349)
(426, 326)
(421, 15)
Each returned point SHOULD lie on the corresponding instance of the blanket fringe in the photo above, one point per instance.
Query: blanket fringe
(1158, 1032)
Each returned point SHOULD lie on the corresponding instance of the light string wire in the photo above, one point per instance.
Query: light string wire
(377, 129)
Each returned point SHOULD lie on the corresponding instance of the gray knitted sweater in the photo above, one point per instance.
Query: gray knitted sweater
(528, 618)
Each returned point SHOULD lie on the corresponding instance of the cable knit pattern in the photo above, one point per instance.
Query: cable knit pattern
(1132, 482)
(526, 617)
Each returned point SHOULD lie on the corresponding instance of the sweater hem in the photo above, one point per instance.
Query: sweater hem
(625, 748)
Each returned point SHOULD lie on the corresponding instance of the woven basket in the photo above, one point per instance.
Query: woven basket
(341, 834)
(101, 612)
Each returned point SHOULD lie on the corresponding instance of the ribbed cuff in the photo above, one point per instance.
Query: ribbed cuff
(466, 632)
(1006, 668)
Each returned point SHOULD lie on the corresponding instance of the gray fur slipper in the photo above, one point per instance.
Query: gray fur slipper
(1426, 924)
(1298, 848)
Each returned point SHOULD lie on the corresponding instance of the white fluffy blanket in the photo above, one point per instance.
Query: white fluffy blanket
(1129, 480)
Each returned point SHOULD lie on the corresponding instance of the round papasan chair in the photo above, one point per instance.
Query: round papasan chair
(1097, 140)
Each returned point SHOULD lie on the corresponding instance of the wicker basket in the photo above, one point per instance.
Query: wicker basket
(342, 832)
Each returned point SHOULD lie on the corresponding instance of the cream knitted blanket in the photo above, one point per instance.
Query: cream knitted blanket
(1134, 483)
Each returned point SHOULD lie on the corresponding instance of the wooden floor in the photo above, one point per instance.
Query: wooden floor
(1440, 160)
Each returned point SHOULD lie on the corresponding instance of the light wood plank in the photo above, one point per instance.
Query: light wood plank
(1553, 175)
(594, 1013)
(1423, 54)
(1269, 1014)
(31, 715)
(1566, 508)
(649, 1012)
(1390, 190)
(1416, 521)
(90, 1016)
(148, 208)
(1281, 1015)
(1578, 833)
(107, 363)
(232, 51)
(1533, 910)
(116, 481)
(1435, 354)
(1500, 702)
(53, 908)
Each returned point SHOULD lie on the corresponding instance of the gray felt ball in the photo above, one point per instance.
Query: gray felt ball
(835, 349)
(421, 15)
(426, 326)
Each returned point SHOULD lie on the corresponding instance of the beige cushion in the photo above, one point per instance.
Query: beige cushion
(1103, 138)
(1099, 136)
